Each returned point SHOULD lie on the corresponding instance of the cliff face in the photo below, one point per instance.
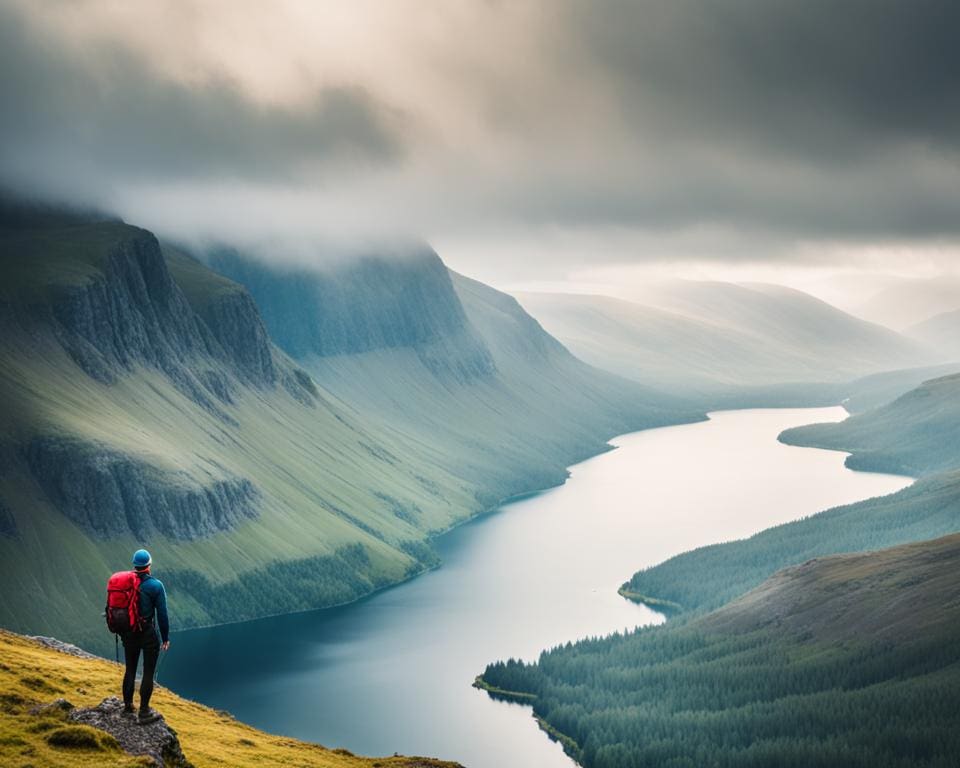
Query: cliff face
(365, 305)
(108, 493)
(235, 322)
(145, 400)
(134, 313)
(131, 314)
(108, 295)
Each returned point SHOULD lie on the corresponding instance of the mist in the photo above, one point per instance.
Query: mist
(581, 145)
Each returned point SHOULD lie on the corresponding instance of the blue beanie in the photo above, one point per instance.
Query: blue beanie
(141, 558)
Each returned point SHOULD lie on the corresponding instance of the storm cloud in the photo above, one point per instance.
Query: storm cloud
(527, 136)
(105, 116)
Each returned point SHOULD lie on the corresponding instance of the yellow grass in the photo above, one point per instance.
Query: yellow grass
(31, 674)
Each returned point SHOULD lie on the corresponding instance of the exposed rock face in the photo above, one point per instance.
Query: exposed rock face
(59, 645)
(365, 305)
(135, 313)
(157, 741)
(108, 493)
(235, 322)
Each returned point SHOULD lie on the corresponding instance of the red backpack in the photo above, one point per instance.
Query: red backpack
(123, 603)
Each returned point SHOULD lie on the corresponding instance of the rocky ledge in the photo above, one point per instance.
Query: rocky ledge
(157, 741)
(59, 645)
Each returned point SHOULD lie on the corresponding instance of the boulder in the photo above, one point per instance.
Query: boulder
(156, 741)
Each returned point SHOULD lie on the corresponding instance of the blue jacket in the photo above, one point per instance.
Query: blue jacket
(153, 603)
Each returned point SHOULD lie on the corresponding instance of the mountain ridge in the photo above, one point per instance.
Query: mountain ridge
(130, 366)
(712, 339)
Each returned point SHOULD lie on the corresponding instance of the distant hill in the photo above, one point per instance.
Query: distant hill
(940, 332)
(880, 388)
(916, 434)
(848, 660)
(711, 337)
(33, 676)
(146, 402)
(463, 371)
(910, 301)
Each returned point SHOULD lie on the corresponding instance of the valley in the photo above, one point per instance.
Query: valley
(146, 400)
(395, 670)
(535, 385)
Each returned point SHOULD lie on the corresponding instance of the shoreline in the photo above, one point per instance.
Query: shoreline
(607, 447)
(570, 747)
(666, 607)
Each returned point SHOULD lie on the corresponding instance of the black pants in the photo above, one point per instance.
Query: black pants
(147, 641)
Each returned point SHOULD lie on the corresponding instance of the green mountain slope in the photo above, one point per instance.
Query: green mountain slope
(713, 337)
(145, 403)
(916, 434)
(848, 660)
(470, 378)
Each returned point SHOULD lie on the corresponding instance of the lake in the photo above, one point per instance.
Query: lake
(393, 672)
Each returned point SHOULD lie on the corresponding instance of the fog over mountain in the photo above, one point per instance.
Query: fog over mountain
(526, 141)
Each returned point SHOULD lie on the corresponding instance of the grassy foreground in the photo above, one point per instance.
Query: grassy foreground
(32, 674)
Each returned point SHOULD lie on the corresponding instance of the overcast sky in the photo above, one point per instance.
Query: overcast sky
(549, 142)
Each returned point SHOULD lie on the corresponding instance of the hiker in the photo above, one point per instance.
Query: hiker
(139, 634)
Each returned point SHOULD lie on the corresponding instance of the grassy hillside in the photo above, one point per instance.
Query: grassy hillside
(145, 403)
(32, 675)
(916, 434)
(711, 338)
(848, 660)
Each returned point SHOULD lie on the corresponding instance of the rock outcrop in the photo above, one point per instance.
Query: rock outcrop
(234, 320)
(366, 304)
(59, 645)
(157, 741)
(134, 312)
(109, 493)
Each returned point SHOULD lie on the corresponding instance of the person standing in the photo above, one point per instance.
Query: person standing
(146, 639)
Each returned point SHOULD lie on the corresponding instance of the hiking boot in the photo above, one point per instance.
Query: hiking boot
(148, 716)
(128, 711)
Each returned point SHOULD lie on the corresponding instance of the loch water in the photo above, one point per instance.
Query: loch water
(393, 672)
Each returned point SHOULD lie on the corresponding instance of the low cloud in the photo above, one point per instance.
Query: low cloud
(524, 139)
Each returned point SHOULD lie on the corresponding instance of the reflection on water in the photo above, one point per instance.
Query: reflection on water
(393, 672)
